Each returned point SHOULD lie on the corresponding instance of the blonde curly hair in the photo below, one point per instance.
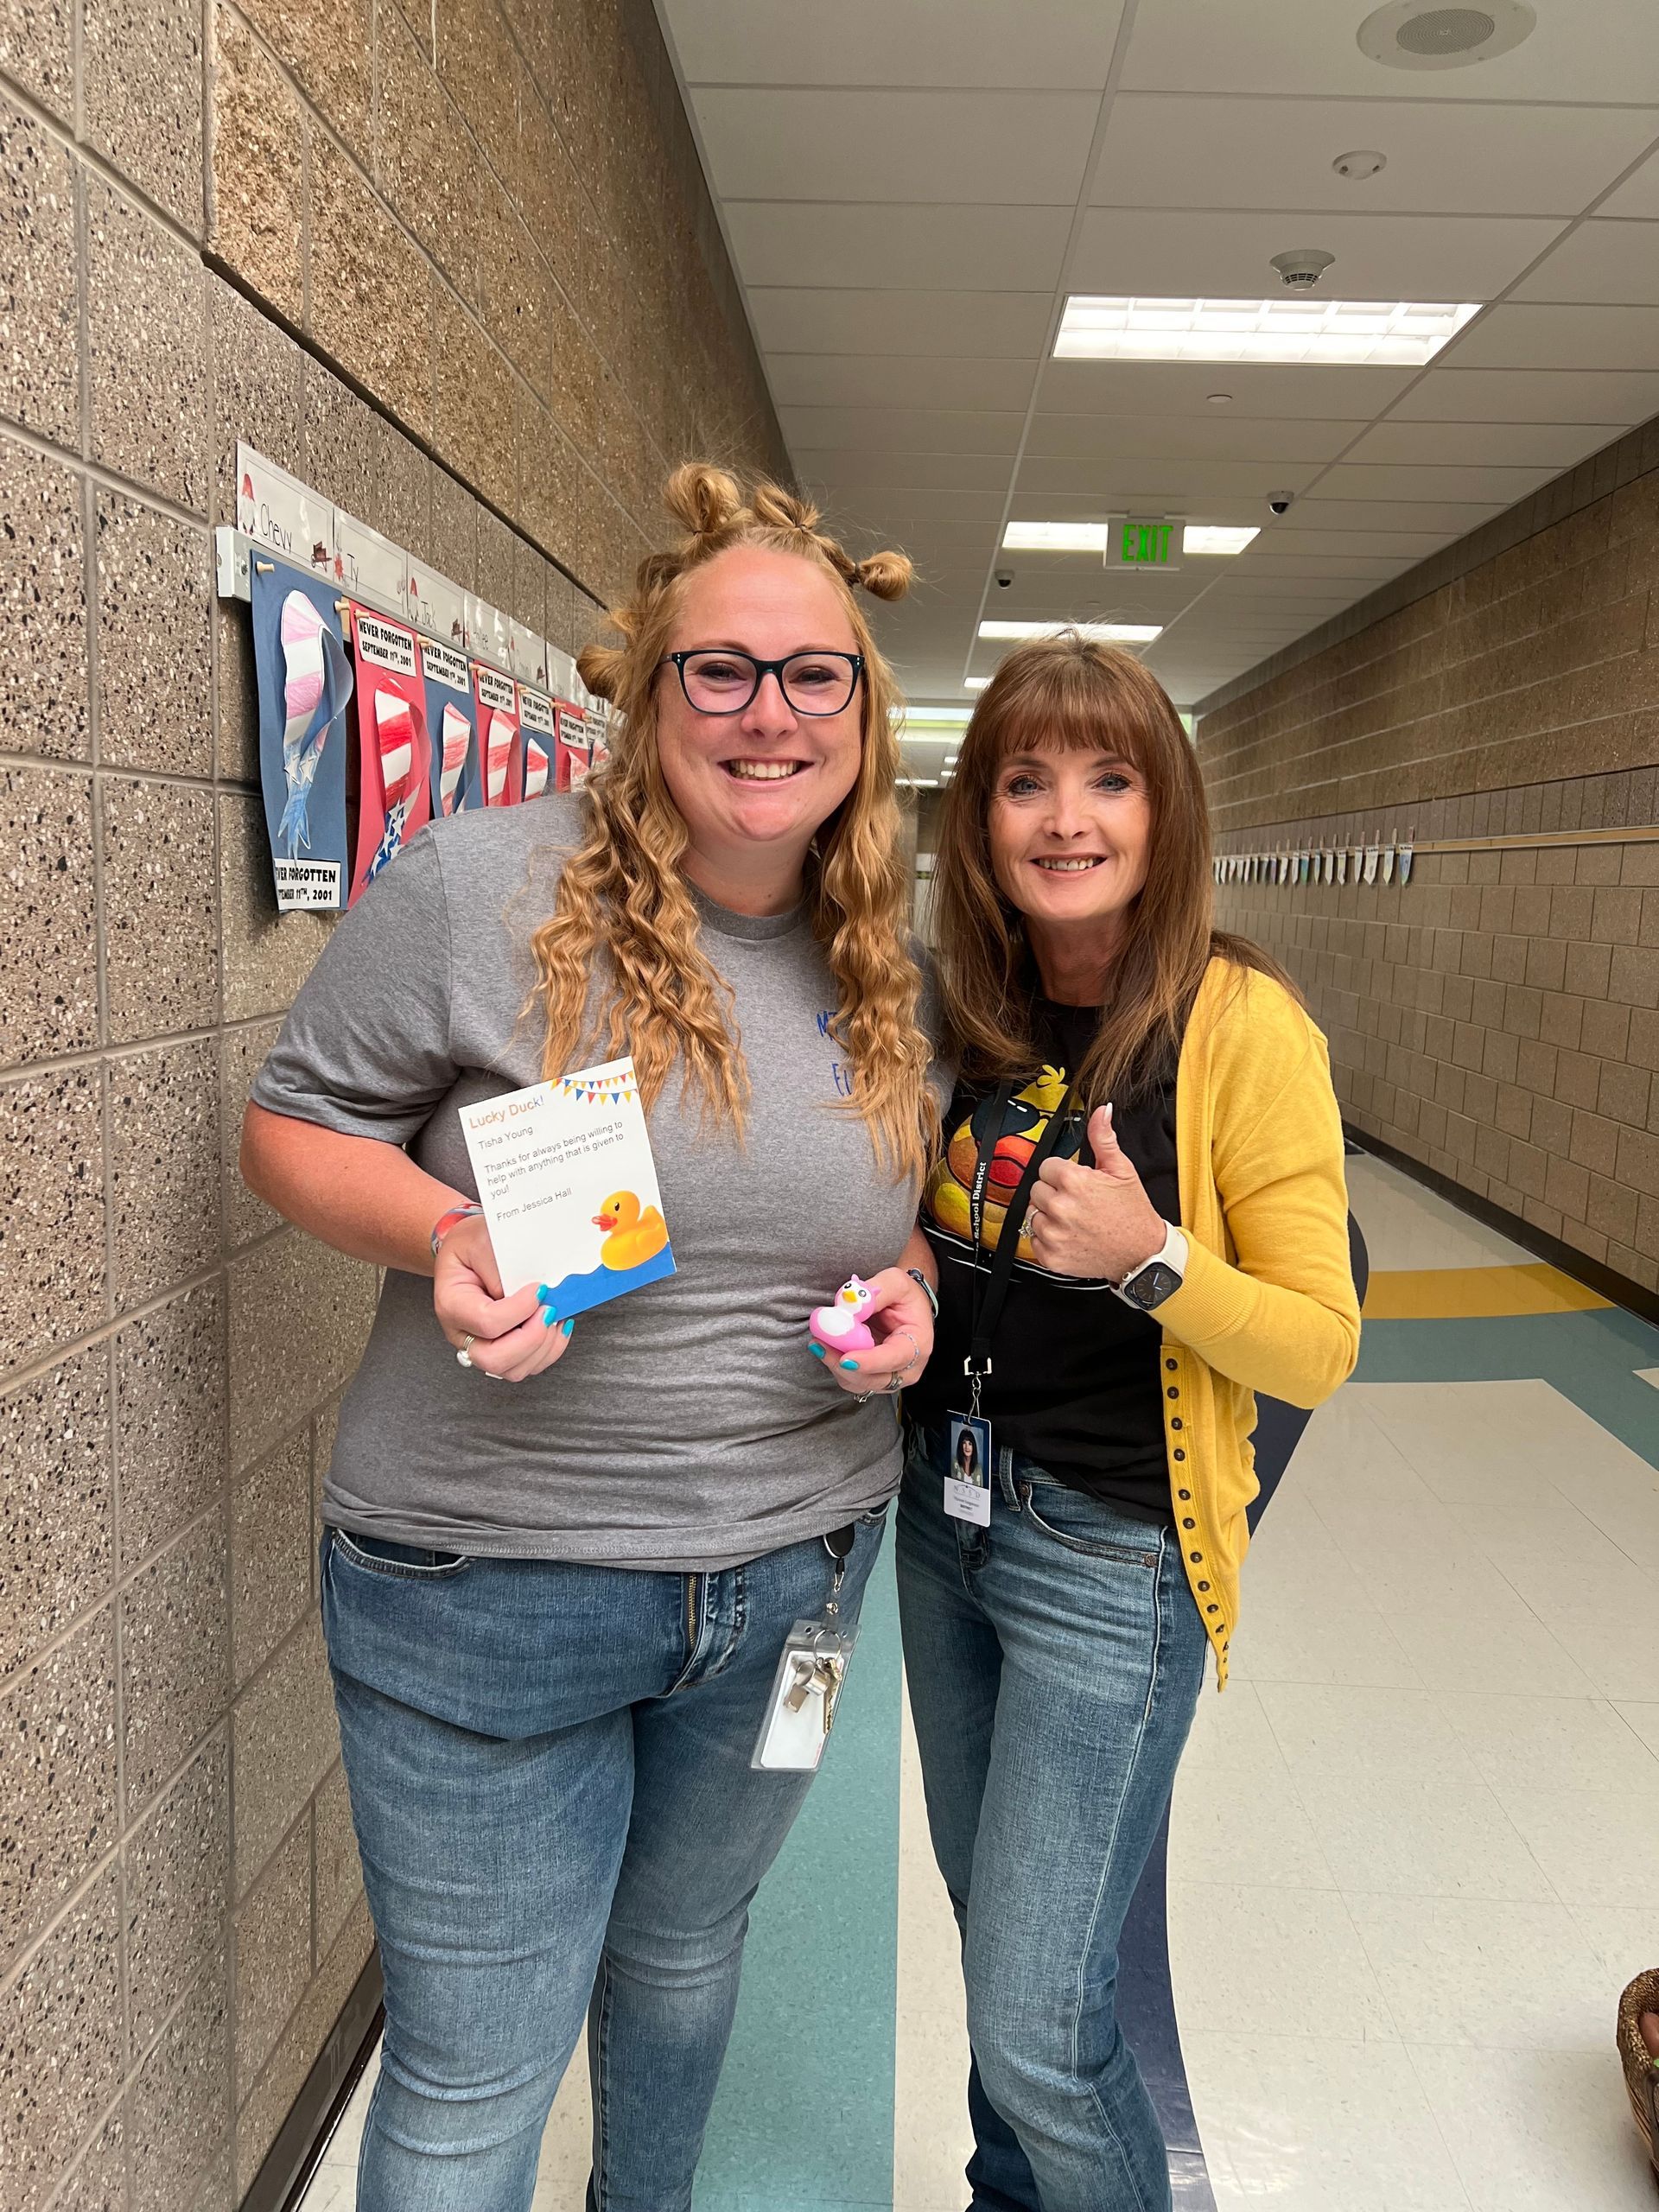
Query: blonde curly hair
(623, 918)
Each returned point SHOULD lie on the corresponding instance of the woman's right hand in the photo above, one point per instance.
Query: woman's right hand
(510, 1338)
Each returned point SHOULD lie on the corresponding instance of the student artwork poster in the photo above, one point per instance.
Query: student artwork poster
(500, 744)
(393, 750)
(449, 711)
(305, 683)
(539, 724)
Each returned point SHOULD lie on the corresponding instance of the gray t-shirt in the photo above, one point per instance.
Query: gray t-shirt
(687, 1427)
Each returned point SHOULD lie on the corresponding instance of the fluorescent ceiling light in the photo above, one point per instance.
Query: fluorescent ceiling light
(1091, 537)
(917, 783)
(927, 717)
(1400, 334)
(1105, 633)
(975, 683)
(1216, 538)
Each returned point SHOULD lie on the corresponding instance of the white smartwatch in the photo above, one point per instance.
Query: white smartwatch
(1147, 1287)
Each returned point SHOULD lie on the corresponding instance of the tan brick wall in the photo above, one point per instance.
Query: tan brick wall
(181, 1914)
(1496, 1017)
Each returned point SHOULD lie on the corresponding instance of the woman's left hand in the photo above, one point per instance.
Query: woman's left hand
(901, 1321)
(1093, 1221)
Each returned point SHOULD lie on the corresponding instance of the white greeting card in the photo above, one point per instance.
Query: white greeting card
(568, 1187)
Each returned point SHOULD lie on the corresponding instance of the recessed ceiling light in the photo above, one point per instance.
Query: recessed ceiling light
(1092, 537)
(1104, 634)
(1418, 34)
(1402, 333)
(1216, 538)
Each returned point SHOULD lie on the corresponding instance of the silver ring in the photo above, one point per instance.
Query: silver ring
(464, 1356)
(898, 1382)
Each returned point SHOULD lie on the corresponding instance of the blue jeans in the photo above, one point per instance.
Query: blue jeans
(1053, 1663)
(549, 1778)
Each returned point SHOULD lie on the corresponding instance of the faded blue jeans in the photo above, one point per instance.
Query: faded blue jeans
(549, 1778)
(1053, 1662)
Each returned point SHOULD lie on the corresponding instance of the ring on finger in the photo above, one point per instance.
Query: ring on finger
(464, 1355)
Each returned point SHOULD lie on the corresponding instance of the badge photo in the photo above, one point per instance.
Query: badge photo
(967, 1480)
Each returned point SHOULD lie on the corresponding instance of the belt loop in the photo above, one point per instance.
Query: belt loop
(1005, 1475)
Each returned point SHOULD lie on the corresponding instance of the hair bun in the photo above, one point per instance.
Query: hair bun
(706, 499)
(603, 668)
(783, 510)
(885, 575)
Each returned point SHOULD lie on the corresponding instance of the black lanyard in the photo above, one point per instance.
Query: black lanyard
(991, 1287)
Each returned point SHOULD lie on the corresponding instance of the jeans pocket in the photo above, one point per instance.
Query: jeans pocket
(393, 1562)
(1081, 1511)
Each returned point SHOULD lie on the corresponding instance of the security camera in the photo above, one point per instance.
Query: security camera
(1005, 577)
(1280, 502)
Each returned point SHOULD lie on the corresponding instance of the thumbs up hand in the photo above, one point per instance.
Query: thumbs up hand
(1097, 1221)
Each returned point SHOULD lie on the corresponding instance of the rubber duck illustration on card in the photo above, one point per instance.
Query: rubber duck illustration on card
(633, 1233)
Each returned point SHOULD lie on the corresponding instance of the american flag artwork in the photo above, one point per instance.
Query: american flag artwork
(456, 733)
(395, 728)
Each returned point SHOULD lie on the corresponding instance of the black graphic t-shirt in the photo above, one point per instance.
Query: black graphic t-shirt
(1074, 1383)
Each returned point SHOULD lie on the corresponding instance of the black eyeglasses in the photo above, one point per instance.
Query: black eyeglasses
(719, 682)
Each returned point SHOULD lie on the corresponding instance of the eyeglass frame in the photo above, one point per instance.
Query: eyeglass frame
(763, 669)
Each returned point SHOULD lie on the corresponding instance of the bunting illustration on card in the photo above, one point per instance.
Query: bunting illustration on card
(393, 748)
(305, 683)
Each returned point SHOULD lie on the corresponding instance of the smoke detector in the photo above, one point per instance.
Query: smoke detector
(1417, 35)
(1303, 266)
(1359, 165)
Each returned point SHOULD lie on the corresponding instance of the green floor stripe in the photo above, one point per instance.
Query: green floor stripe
(804, 2120)
(1589, 1357)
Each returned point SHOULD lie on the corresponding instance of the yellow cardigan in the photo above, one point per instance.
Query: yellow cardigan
(1268, 1298)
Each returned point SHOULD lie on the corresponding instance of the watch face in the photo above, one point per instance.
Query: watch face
(1152, 1285)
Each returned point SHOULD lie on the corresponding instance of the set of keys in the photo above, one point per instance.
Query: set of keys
(814, 1675)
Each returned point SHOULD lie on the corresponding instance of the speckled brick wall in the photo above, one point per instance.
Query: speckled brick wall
(495, 230)
(1498, 1017)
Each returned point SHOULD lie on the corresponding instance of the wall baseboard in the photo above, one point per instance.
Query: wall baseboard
(1606, 1281)
(293, 2158)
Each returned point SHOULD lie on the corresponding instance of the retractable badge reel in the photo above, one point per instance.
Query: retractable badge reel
(801, 1710)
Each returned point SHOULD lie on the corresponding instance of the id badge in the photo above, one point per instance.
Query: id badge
(801, 1710)
(967, 1482)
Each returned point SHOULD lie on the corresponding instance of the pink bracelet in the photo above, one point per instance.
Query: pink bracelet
(446, 1222)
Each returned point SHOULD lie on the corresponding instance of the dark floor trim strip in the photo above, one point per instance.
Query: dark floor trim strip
(292, 2159)
(1607, 1281)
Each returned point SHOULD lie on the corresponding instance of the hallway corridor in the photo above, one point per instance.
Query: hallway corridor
(1425, 1833)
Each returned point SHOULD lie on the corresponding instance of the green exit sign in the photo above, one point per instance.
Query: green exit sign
(1143, 542)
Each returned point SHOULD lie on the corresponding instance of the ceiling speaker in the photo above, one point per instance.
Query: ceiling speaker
(1417, 35)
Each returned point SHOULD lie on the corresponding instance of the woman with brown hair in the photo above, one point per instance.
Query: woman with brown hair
(555, 1610)
(1140, 1219)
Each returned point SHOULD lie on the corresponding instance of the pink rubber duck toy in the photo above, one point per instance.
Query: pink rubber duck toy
(839, 1326)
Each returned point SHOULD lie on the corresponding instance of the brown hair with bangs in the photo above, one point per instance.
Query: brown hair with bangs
(1067, 693)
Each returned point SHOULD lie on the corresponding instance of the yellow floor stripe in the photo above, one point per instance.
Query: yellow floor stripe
(1467, 1293)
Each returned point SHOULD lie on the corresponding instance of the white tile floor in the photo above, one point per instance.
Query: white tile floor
(1412, 1849)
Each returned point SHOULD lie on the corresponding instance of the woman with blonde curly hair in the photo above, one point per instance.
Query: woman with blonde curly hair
(555, 1611)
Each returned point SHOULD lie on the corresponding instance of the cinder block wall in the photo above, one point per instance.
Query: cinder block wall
(497, 227)
(1498, 1018)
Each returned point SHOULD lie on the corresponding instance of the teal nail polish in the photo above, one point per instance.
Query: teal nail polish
(549, 1316)
(570, 1325)
(545, 1294)
(817, 1350)
(851, 1366)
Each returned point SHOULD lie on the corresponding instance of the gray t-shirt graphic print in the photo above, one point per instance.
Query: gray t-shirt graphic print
(688, 1427)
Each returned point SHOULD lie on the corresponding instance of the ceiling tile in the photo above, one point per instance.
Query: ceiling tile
(1561, 338)
(1616, 397)
(1184, 388)
(1440, 481)
(1608, 263)
(849, 472)
(1063, 42)
(879, 145)
(1219, 252)
(1216, 435)
(1309, 46)
(1638, 194)
(889, 380)
(1317, 513)
(943, 248)
(1442, 160)
(1127, 478)
(902, 429)
(1506, 445)
(991, 325)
